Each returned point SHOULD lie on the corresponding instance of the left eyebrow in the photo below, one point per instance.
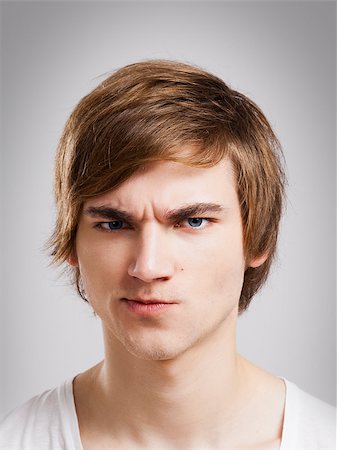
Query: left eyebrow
(194, 210)
(172, 216)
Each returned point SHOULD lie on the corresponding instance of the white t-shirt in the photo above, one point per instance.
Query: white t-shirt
(48, 422)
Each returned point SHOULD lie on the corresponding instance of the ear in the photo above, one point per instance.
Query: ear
(258, 261)
(72, 259)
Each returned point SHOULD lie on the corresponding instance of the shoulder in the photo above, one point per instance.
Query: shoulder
(42, 422)
(321, 417)
(309, 421)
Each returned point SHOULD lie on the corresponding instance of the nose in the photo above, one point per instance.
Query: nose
(151, 260)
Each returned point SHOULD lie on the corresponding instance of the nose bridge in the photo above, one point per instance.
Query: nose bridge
(151, 259)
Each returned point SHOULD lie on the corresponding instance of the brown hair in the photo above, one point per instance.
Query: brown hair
(147, 111)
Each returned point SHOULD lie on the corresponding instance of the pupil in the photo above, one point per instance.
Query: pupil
(112, 223)
(195, 221)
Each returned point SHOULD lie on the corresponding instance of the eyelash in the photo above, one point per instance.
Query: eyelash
(99, 225)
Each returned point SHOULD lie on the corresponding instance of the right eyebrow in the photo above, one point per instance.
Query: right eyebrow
(106, 212)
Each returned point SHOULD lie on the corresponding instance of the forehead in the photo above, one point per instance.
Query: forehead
(171, 184)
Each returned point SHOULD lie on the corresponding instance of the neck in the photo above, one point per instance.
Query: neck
(201, 389)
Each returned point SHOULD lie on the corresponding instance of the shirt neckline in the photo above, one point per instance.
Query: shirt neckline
(73, 425)
(289, 416)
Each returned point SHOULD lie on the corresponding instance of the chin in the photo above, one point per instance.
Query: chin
(153, 351)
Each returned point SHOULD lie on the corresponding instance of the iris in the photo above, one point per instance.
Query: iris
(195, 221)
(113, 223)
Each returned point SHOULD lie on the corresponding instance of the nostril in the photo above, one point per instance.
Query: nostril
(149, 275)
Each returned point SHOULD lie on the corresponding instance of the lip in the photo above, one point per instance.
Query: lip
(149, 300)
(147, 308)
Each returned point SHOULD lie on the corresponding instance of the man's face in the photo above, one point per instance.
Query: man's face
(197, 262)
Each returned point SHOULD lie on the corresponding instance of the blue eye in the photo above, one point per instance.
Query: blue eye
(111, 226)
(195, 221)
(115, 225)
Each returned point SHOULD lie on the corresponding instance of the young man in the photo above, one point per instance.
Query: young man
(169, 190)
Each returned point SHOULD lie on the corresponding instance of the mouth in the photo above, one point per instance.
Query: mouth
(149, 301)
(148, 307)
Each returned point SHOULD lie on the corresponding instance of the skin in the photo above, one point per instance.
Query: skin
(176, 380)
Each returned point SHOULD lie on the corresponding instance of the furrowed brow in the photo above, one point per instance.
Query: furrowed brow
(175, 215)
(194, 210)
(106, 212)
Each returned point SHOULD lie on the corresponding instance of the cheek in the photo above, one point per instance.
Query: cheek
(101, 267)
(220, 266)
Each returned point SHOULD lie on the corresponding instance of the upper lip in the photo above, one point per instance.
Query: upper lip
(149, 300)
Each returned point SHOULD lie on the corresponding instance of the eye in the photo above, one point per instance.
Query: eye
(110, 226)
(195, 222)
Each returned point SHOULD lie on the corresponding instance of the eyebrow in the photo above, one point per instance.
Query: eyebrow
(172, 216)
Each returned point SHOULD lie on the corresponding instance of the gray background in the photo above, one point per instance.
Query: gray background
(282, 55)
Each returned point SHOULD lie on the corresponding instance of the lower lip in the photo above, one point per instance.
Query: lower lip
(147, 309)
